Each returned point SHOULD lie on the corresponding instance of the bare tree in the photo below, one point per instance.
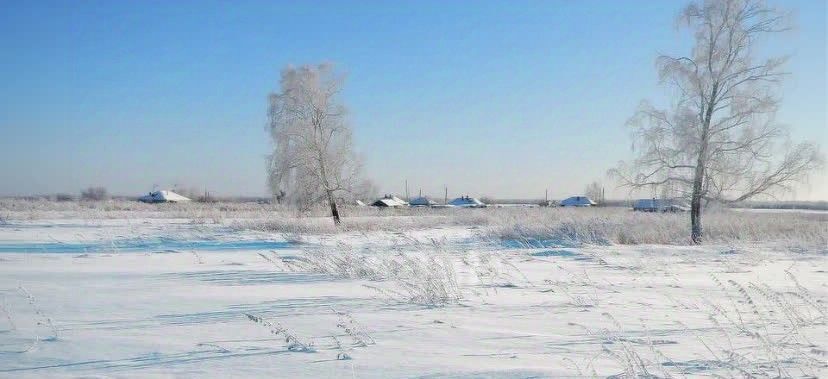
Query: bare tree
(313, 160)
(595, 192)
(720, 140)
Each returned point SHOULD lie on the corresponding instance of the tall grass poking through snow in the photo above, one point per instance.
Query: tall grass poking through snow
(420, 277)
(429, 280)
(561, 225)
(421, 274)
(763, 332)
(621, 226)
(292, 341)
(772, 322)
(353, 329)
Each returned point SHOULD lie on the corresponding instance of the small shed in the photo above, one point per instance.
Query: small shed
(163, 197)
(467, 202)
(577, 201)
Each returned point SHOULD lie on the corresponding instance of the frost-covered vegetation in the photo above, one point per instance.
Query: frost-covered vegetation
(719, 138)
(537, 226)
(530, 226)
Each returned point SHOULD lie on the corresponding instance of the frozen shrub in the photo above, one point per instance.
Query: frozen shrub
(94, 194)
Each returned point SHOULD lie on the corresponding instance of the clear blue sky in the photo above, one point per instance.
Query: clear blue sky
(490, 98)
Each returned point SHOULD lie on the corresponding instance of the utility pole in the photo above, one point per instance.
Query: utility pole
(406, 191)
(446, 199)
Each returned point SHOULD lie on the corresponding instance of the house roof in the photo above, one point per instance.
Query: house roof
(577, 200)
(163, 196)
(390, 201)
(465, 201)
(423, 200)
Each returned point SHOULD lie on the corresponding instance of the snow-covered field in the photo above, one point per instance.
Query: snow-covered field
(167, 297)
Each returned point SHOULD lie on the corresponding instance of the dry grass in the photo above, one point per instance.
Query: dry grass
(557, 226)
(621, 226)
(561, 226)
(39, 209)
(423, 276)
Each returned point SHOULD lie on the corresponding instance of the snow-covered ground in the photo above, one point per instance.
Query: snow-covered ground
(167, 297)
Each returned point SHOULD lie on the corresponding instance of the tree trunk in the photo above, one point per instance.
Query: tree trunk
(695, 216)
(334, 210)
(696, 230)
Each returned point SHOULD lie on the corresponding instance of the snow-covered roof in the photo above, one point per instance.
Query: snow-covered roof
(465, 201)
(577, 201)
(422, 201)
(163, 196)
(390, 201)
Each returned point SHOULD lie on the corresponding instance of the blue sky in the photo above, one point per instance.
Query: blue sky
(503, 99)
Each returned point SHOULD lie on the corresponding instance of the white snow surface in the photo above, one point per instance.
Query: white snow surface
(167, 298)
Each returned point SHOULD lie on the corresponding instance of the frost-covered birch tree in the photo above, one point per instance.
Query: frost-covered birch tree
(313, 160)
(719, 140)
